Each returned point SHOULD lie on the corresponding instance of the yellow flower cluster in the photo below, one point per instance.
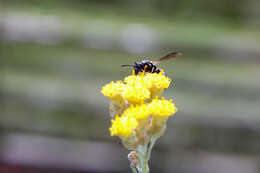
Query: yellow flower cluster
(137, 88)
(138, 110)
(113, 90)
(121, 126)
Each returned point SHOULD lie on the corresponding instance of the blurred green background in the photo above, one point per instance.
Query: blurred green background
(57, 54)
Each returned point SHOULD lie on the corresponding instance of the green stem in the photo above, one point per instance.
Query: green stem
(142, 154)
(134, 169)
(152, 142)
(145, 165)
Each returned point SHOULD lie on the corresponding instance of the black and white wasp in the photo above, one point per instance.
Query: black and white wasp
(150, 66)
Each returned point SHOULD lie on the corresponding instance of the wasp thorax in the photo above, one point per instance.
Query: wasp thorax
(145, 66)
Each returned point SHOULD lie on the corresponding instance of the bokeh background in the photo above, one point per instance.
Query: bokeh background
(57, 54)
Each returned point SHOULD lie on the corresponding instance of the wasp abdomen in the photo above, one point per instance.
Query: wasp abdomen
(145, 66)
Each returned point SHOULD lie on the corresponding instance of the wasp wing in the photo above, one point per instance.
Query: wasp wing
(168, 56)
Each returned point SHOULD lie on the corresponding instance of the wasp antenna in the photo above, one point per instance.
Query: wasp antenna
(126, 65)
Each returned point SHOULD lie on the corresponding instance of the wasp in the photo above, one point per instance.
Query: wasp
(150, 66)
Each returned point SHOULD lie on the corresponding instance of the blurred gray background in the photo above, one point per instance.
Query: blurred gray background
(57, 54)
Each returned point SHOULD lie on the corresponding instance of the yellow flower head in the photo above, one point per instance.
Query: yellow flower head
(123, 125)
(159, 81)
(135, 94)
(140, 112)
(113, 89)
(138, 80)
(162, 107)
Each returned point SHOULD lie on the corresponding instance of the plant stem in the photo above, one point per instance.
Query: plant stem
(152, 142)
(134, 169)
(145, 168)
(142, 153)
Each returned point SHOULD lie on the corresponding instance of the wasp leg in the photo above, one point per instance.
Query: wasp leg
(157, 71)
(153, 69)
(146, 68)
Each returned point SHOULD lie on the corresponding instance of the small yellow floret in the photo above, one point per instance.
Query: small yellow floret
(162, 107)
(138, 80)
(136, 94)
(113, 89)
(140, 112)
(123, 126)
(159, 81)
